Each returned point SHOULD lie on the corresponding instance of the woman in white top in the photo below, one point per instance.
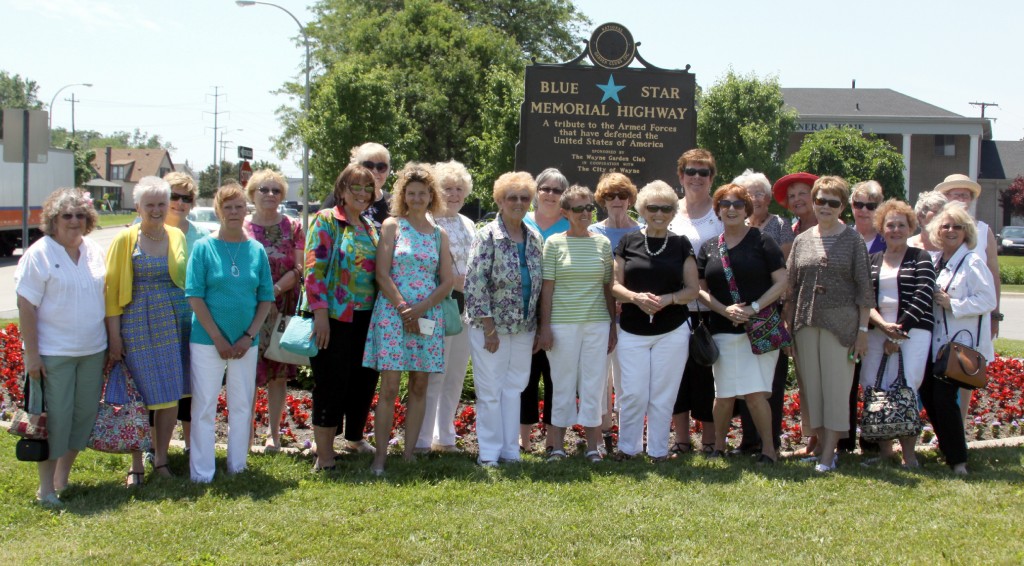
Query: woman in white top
(59, 282)
(698, 222)
(445, 389)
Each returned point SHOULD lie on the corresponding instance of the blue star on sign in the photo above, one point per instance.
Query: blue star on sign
(611, 90)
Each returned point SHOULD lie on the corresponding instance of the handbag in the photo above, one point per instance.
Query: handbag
(765, 329)
(890, 414)
(449, 307)
(297, 337)
(121, 427)
(703, 349)
(957, 363)
(30, 423)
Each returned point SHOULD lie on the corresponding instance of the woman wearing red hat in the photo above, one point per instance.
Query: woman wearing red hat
(794, 192)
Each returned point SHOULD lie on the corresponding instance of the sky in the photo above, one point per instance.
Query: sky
(155, 65)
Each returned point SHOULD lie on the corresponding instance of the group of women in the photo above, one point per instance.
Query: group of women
(546, 296)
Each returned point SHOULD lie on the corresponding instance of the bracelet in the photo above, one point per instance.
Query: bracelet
(402, 304)
(492, 332)
(277, 288)
(246, 333)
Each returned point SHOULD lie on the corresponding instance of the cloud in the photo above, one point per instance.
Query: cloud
(91, 16)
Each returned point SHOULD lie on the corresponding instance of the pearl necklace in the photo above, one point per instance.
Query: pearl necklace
(648, 248)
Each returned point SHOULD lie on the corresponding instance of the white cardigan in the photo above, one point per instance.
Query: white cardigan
(972, 294)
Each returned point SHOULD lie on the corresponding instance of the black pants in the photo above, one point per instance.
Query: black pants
(940, 400)
(697, 388)
(343, 388)
(750, 437)
(529, 412)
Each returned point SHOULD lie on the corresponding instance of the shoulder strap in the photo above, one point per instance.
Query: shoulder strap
(945, 326)
(723, 251)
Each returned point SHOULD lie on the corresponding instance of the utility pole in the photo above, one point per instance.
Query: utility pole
(216, 114)
(72, 100)
(982, 104)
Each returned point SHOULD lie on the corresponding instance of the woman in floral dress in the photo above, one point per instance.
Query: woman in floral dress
(414, 273)
(284, 243)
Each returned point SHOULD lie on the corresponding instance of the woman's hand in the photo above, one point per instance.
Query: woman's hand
(321, 329)
(491, 341)
(892, 330)
(613, 338)
(942, 298)
(891, 347)
(240, 347)
(115, 349)
(860, 347)
(737, 313)
(223, 348)
(648, 302)
(34, 366)
(544, 339)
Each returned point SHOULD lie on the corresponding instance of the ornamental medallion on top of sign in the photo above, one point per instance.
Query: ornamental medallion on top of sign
(611, 46)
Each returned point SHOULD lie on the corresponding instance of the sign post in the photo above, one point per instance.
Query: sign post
(244, 172)
(26, 139)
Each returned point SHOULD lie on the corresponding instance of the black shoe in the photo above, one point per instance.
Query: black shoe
(765, 460)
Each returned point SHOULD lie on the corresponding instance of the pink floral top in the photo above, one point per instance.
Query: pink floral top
(341, 262)
(280, 241)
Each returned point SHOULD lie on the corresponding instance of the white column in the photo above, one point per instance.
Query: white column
(974, 154)
(906, 167)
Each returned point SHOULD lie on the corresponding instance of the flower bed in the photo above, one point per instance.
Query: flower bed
(997, 410)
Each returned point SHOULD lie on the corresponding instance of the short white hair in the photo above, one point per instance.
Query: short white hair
(152, 186)
(750, 179)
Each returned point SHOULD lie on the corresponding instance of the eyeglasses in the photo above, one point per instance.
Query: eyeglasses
(954, 227)
(692, 171)
(380, 166)
(735, 204)
(450, 189)
(758, 195)
(616, 196)
(517, 198)
(82, 216)
(361, 188)
(582, 208)
(666, 208)
(551, 190)
(187, 199)
(270, 190)
(868, 205)
(833, 203)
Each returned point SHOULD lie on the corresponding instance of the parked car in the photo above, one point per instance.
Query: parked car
(1011, 240)
(204, 216)
(287, 211)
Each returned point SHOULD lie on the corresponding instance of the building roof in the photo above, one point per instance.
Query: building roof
(859, 102)
(1001, 159)
(146, 161)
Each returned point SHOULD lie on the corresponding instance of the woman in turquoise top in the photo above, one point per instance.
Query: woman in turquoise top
(414, 273)
(341, 253)
(229, 287)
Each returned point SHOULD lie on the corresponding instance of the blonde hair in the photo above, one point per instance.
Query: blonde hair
(515, 180)
(417, 172)
(894, 206)
(262, 176)
(656, 190)
(182, 180)
(832, 184)
(614, 182)
(956, 212)
(229, 191)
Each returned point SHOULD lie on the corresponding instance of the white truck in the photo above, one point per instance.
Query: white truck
(43, 178)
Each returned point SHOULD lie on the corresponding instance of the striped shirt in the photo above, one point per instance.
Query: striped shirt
(916, 284)
(580, 268)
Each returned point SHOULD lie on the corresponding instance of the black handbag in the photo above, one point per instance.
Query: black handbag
(890, 414)
(703, 349)
(33, 449)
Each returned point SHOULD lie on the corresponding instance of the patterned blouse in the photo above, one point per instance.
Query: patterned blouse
(460, 237)
(340, 265)
(494, 284)
(280, 240)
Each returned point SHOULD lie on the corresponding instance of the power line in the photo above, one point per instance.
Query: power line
(216, 114)
(983, 106)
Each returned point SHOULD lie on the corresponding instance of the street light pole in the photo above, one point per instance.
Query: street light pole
(305, 145)
(222, 145)
(54, 99)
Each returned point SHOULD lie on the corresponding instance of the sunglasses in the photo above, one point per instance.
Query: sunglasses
(361, 188)
(551, 190)
(518, 198)
(833, 203)
(187, 199)
(270, 190)
(693, 171)
(946, 227)
(82, 216)
(735, 204)
(616, 196)
(380, 166)
(666, 208)
(868, 205)
(583, 208)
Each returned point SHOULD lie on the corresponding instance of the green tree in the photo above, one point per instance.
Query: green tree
(208, 177)
(743, 121)
(83, 161)
(851, 155)
(17, 92)
(91, 139)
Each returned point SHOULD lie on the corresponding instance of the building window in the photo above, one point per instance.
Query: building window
(117, 173)
(945, 146)
(163, 171)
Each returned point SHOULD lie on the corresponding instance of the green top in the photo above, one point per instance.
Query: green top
(580, 268)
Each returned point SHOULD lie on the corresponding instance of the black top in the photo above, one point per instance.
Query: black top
(916, 284)
(378, 211)
(660, 274)
(753, 261)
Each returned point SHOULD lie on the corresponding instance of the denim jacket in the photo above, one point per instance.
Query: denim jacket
(494, 286)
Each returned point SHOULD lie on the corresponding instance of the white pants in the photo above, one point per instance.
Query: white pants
(499, 379)
(207, 375)
(579, 367)
(650, 380)
(915, 357)
(443, 393)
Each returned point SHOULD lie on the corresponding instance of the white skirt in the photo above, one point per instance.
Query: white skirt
(738, 370)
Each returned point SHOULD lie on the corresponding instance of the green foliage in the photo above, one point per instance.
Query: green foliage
(549, 31)
(849, 154)
(91, 139)
(492, 150)
(1011, 275)
(83, 160)
(743, 121)
(228, 172)
(17, 92)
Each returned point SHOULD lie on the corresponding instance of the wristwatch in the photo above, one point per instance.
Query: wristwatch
(863, 329)
(756, 306)
(997, 316)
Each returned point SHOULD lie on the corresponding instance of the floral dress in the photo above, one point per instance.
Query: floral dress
(280, 241)
(414, 271)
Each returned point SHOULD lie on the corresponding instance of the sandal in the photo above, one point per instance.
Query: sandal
(681, 448)
(593, 456)
(134, 479)
(765, 460)
(554, 455)
(665, 458)
(166, 471)
(707, 447)
(621, 456)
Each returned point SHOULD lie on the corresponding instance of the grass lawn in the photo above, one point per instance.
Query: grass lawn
(116, 219)
(1011, 261)
(1009, 348)
(448, 510)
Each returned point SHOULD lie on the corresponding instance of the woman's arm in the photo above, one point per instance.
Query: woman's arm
(387, 287)
(28, 323)
(647, 302)
(445, 281)
(544, 338)
(980, 295)
(205, 319)
(778, 289)
(245, 341)
(115, 345)
(992, 260)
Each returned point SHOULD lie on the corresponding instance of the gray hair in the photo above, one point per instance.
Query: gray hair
(453, 171)
(929, 201)
(575, 192)
(657, 190)
(152, 186)
(751, 179)
(870, 189)
(67, 199)
(554, 175)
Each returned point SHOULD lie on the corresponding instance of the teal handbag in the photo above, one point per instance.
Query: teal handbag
(449, 306)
